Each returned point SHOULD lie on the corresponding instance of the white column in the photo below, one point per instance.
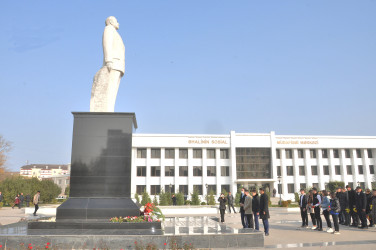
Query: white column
(354, 167)
(296, 170)
(218, 169)
(148, 169)
(190, 172)
(366, 173)
(320, 170)
(283, 173)
(204, 173)
(133, 172)
(232, 151)
(343, 166)
(176, 171)
(275, 162)
(162, 166)
(332, 170)
(307, 164)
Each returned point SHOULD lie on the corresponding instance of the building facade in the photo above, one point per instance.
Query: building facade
(182, 163)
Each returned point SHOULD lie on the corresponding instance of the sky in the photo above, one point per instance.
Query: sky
(193, 67)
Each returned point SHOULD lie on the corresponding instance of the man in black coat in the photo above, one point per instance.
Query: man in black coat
(303, 203)
(230, 200)
(344, 204)
(241, 203)
(256, 208)
(264, 211)
(351, 195)
(361, 205)
(21, 200)
(27, 199)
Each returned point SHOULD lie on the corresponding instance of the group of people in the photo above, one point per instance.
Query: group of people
(252, 208)
(20, 199)
(346, 206)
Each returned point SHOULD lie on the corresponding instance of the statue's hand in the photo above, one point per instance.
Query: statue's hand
(109, 66)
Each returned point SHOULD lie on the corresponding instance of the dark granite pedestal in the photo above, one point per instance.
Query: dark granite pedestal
(100, 182)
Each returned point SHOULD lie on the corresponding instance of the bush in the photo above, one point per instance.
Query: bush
(289, 202)
(137, 197)
(211, 198)
(179, 199)
(155, 201)
(145, 198)
(187, 202)
(285, 203)
(203, 203)
(237, 196)
(224, 192)
(195, 198)
(67, 190)
(297, 198)
(333, 185)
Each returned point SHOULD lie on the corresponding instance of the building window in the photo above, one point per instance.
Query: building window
(369, 152)
(303, 185)
(169, 153)
(338, 169)
(170, 171)
(183, 153)
(302, 170)
(212, 188)
(358, 153)
(197, 171)
(314, 170)
(197, 153)
(347, 153)
(315, 185)
(140, 189)
(253, 163)
(155, 153)
(300, 153)
(141, 171)
(170, 190)
(141, 153)
(324, 153)
(326, 170)
(210, 153)
(363, 185)
(349, 169)
(290, 170)
(288, 153)
(224, 154)
(360, 169)
(279, 171)
(156, 171)
(371, 169)
(184, 190)
(225, 188)
(336, 153)
(225, 171)
(183, 171)
(155, 189)
(351, 184)
(211, 171)
(290, 188)
(312, 153)
(198, 188)
(278, 153)
(60, 182)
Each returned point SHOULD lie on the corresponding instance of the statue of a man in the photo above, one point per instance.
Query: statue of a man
(107, 79)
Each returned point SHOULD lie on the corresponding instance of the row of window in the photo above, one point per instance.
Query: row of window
(183, 153)
(291, 186)
(324, 152)
(155, 171)
(314, 170)
(156, 189)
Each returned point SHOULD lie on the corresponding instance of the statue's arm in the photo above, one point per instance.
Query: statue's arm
(108, 37)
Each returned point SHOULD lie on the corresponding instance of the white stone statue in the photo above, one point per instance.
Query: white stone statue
(107, 79)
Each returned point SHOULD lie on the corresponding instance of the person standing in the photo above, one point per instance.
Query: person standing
(256, 208)
(361, 203)
(325, 205)
(373, 209)
(316, 207)
(351, 195)
(21, 201)
(368, 206)
(264, 211)
(241, 203)
(16, 201)
(274, 192)
(27, 200)
(173, 200)
(303, 204)
(248, 209)
(334, 209)
(222, 207)
(36, 202)
(230, 200)
(344, 203)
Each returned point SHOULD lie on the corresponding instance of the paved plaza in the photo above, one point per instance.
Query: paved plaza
(285, 231)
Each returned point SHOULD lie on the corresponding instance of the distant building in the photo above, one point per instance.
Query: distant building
(59, 174)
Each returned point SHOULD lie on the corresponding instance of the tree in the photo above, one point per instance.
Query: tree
(195, 199)
(237, 196)
(333, 185)
(67, 190)
(5, 147)
(224, 192)
(145, 198)
(155, 200)
(179, 199)
(211, 199)
(137, 197)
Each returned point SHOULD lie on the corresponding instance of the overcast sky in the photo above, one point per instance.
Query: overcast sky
(293, 67)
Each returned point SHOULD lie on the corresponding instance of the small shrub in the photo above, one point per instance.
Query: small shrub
(203, 203)
(285, 203)
(137, 197)
(187, 202)
(179, 199)
(289, 202)
(297, 199)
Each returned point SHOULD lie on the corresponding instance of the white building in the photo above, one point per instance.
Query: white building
(184, 162)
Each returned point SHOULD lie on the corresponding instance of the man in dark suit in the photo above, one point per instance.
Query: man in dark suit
(352, 204)
(241, 203)
(361, 204)
(264, 211)
(303, 203)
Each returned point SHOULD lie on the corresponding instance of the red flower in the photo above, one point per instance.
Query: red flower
(30, 247)
(30, 244)
(135, 242)
(48, 243)
(46, 246)
(1, 246)
(165, 243)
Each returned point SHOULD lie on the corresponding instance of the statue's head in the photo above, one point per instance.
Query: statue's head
(111, 20)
